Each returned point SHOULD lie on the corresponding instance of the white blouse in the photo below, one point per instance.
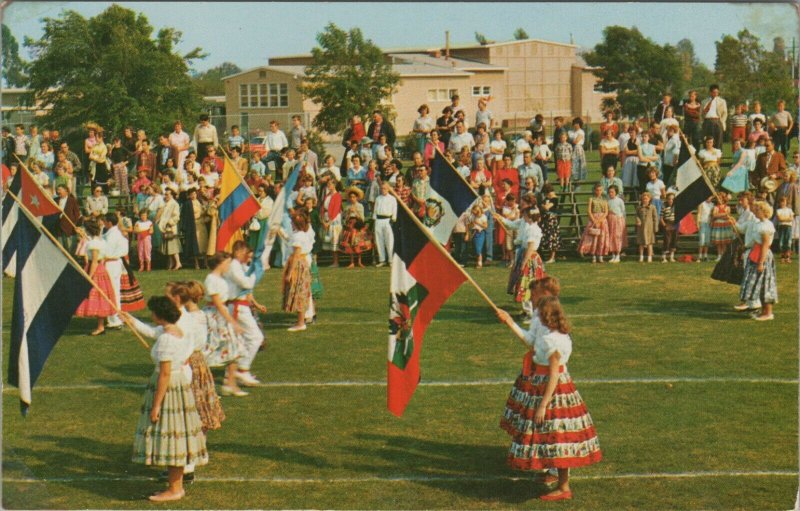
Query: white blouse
(176, 350)
(533, 234)
(216, 285)
(304, 240)
(99, 245)
(549, 342)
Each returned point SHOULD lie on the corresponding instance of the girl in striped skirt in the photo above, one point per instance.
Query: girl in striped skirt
(545, 415)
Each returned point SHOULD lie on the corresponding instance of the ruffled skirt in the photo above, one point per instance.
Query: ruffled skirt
(95, 306)
(551, 237)
(617, 233)
(205, 394)
(531, 269)
(759, 286)
(595, 244)
(297, 286)
(567, 437)
(224, 345)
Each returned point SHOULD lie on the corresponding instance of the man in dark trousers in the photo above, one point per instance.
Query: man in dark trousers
(163, 153)
(69, 219)
(769, 163)
(379, 126)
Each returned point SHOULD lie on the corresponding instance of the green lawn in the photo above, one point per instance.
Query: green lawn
(717, 412)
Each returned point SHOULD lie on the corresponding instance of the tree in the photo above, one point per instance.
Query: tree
(638, 69)
(481, 39)
(695, 74)
(348, 75)
(520, 34)
(110, 70)
(13, 65)
(746, 71)
(209, 83)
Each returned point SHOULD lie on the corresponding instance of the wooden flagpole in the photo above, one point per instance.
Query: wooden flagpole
(465, 182)
(449, 257)
(75, 264)
(708, 182)
(46, 194)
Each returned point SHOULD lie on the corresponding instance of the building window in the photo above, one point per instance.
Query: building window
(264, 95)
(438, 95)
(481, 90)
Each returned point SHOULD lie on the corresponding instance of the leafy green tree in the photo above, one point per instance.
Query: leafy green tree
(480, 38)
(209, 83)
(110, 70)
(13, 65)
(348, 75)
(638, 69)
(520, 34)
(694, 73)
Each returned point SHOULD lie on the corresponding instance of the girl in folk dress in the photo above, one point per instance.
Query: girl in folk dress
(563, 161)
(532, 266)
(721, 227)
(543, 396)
(617, 229)
(225, 342)
(595, 237)
(169, 432)
(96, 305)
(646, 227)
(759, 286)
(356, 239)
(297, 273)
(551, 237)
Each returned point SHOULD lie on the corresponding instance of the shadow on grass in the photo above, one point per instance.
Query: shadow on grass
(441, 459)
(707, 311)
(141, 371)
(63, 454)
(270, 452)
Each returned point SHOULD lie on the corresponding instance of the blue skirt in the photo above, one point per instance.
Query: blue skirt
(737, 182)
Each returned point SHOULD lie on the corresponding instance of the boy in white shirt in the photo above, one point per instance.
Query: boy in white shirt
(704, 226)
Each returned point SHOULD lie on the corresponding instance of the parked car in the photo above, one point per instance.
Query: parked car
(258, 144)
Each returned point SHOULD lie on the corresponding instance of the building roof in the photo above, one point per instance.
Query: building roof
(411, 67)
(441, 62)
(289, 70)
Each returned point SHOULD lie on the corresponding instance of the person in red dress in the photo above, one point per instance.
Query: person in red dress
(96, 305)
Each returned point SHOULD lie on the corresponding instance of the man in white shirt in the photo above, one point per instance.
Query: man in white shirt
(530, 169)
(385, 213)
(240, 285)
(116, 248)
(205, 135)
(715, 116)
(461, 138)
(274, 142)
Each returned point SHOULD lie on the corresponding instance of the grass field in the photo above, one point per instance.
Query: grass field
(695, 405)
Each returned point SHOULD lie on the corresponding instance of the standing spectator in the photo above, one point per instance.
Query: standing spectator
(275, 143)
(379, 126)
(179, 142)
(423, 126)
(445, 125)
(532, 170)
(146, 161)
(770, 163)
(216, 162)
(163, 153)
(692, 109)
(782, 119)
(309, 158)
(558, 129)
(610, 179)
(35, 143)
(64, 173)
(667, 122)
(710, 157)
(609, 124)
(143, 228)
(385, 213)
(670, 229)
(331, 218)
(609, 150)
(462, 138)
(647, 161)
(672, 150)
(536, 126)
(785, 217)
(704, 211)
(455, 105)
(21, 142)
(739, 122)
(758, 132)
(205, 135)
(497, 148)
(563, 153)
(431, 147)
(756, 115)
(646, 227)
(595, 237)
(168, 225)
(8, 145)
(657, 190)
(551, 237)
(98, 163)
(356, 238)
(617, 229)
(630, 158)
(67, 221)
(484, 116)
(721, 226)
(542, 154)
(661, 109)
(235, 139)
(522, 144)
(239, 163)
(477, 225)
(119, 162)
(715, 116)
(298, 133)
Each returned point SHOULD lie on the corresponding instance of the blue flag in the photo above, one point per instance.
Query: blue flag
(47, 290)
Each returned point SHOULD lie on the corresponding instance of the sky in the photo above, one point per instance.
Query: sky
(247, 34)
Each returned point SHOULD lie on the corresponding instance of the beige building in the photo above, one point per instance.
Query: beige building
(522, 78)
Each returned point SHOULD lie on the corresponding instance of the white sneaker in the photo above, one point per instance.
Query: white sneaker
(649, 259)
(296, 328)
(247, 379)
(230, 391)
(380, 265)
(641, 259)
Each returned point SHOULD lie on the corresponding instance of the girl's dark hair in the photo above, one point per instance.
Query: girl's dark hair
(578, 121)
(92, 228)
(218, 259)
(163, 308)
(552, 315)
(547, 188)
(615, 188)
